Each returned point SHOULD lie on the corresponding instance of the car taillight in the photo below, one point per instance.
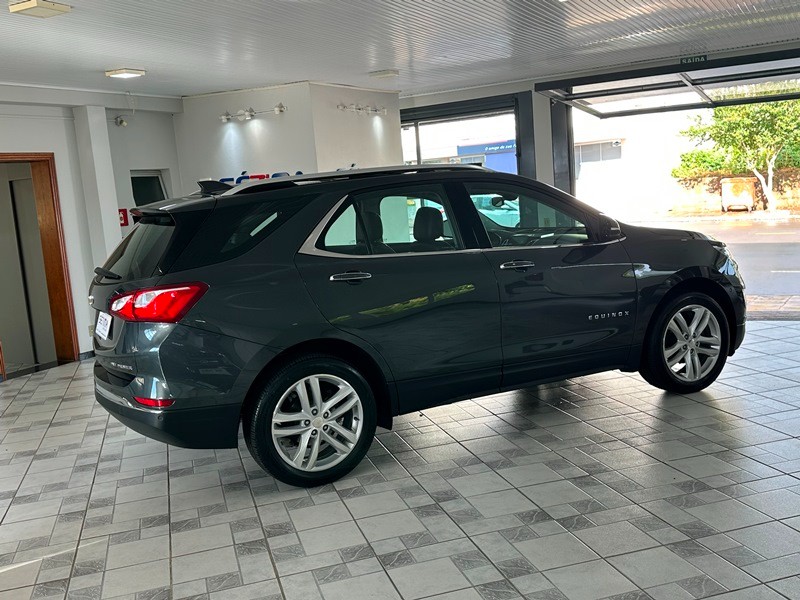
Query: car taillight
(154, 402)
(164, 304)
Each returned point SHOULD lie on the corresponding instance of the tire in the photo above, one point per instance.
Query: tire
(333, 445)
(662, 345)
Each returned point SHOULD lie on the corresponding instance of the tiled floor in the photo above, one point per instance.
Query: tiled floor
(599, 487)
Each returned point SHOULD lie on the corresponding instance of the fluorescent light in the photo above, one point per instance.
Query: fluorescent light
(39, 8)
(385, 73)
(125, 73)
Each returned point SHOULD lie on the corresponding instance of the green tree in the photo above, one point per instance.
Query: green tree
(701, 163)
(752, 136)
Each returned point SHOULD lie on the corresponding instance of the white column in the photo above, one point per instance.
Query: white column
(97, 176)
(543, 138)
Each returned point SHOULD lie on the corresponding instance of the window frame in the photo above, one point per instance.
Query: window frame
(463, 229)
(149, 173)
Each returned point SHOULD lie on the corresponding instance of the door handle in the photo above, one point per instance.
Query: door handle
(351, 276)
(518, 264)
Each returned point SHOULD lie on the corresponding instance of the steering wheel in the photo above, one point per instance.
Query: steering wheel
(500, 237)
(495, 238)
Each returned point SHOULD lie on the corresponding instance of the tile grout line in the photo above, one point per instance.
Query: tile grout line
(261, 524)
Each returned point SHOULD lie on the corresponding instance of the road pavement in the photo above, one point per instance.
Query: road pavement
(768, 252)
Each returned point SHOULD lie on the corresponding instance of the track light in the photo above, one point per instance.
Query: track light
(247, 114)
(359, 109)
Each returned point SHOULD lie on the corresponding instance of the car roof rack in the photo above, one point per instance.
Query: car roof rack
(279, 182)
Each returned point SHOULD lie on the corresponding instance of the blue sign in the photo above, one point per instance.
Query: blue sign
(492, 148)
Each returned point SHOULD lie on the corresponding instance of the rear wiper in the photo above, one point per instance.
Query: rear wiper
(106, 273)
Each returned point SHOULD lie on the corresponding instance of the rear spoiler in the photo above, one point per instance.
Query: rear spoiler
(210, 187)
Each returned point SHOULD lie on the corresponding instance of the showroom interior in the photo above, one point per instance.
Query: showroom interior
(596, 487)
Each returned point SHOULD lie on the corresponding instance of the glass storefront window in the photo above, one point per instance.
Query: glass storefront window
(488, 140)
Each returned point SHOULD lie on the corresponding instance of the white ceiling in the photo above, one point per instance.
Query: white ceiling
(197, 46)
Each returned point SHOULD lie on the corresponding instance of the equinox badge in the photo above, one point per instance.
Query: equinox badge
(610, 315)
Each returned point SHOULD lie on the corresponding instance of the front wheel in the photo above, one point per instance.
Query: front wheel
(313, 422)
(687, 345)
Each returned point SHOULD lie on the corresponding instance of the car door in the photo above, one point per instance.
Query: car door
(393, 267)
(568, 300)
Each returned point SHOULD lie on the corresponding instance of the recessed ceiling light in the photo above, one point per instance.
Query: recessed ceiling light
(385, 73)
(39, 8)
(125, 73)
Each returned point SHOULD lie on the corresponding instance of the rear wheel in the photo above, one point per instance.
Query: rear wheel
(687, 345)
(313, 421)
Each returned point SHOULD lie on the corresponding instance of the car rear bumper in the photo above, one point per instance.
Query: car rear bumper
(202, 427)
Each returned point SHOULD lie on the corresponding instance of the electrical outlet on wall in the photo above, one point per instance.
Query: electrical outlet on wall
(91, 331)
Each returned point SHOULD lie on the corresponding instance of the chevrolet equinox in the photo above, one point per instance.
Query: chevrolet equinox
(311, 309)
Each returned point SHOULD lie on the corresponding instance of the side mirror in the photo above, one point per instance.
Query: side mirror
(498, 201)
(609, 229)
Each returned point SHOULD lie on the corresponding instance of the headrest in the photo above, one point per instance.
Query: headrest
(428, 224)
(373, 226)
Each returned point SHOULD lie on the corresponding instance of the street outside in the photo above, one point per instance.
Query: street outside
(767, 251)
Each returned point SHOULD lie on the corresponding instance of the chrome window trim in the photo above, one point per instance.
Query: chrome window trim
(309, 247)
(551, 246)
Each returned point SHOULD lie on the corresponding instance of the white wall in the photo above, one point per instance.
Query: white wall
(51, 129)
(312, 135)
(146, 144)
(639, 184)
(269, 143)
(342, 138)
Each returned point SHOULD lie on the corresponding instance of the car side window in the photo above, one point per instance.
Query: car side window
(345, 234)
(399, 220)
(514, 217)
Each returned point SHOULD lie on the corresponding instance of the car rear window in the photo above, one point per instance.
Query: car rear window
(139, 254)
(238, 225)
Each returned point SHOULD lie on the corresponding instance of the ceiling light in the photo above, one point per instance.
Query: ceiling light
(225, 117)
(385, 73)
(120, 121)
(39, 8)
(125, 73)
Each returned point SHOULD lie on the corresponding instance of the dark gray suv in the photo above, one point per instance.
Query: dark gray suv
(311, 309)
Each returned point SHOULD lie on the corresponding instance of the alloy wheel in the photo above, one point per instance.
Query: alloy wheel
(692, 343)
(317, 422)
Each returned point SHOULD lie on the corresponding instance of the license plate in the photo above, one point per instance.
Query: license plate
(103, 325)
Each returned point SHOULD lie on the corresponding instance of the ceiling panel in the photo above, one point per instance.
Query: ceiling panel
(197, 46)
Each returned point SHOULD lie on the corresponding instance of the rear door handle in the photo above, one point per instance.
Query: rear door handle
(351, 276)
(518, 264)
